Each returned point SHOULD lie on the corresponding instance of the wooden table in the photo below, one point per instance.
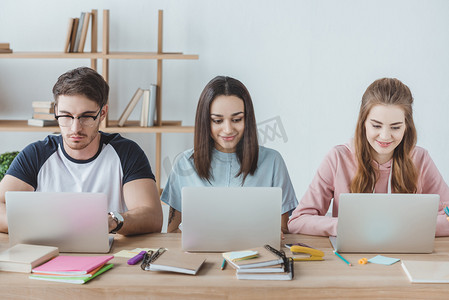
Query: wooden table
(331, 278)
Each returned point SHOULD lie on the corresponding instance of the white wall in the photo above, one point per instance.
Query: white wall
(305, 62)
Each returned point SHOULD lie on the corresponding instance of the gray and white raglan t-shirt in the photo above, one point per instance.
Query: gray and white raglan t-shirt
(48, 168)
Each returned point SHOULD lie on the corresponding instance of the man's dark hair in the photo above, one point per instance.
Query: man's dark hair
(82, 81)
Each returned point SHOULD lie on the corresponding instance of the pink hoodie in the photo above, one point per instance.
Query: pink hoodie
(334, 177)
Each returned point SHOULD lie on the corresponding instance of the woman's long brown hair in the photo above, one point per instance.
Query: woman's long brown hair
(248, 147)
(386, 91)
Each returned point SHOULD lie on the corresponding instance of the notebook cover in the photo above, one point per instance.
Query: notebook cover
(73, 264)
(90, 274)
(270, 269)
(76, 280)
(265, 276)
(177, 261)
(24, 257)
(240, 255)
(265, 258)
(426, 271)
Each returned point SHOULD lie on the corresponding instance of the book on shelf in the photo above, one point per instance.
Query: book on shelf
(69, 35)
(43, 116)
(264, 259)
(72, 265)
(152, 106)
(177, 261)
(43, 104)
(130, 106)
(78, 32)
(45, 110)
(42, 123)
(24, 257)
(147, 115)
(84, 28)
(76, 279)
(419, 271)
(4, 48)
(144, 114)
(73, 34)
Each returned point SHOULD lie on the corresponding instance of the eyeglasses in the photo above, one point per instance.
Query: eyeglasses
(85, 121)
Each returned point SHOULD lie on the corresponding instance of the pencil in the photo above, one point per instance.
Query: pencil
(342, 258)
(223, 265)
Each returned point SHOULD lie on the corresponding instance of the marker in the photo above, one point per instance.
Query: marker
(137, 258)
(342, 258)
(223, 265)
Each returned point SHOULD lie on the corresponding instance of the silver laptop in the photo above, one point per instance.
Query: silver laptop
(73, 222)
(218, 219)
(386, 223)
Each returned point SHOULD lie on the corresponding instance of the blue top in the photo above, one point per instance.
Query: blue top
(271, 172)
(47, 167)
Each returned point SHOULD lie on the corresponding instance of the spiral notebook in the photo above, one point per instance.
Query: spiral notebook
(179, 262)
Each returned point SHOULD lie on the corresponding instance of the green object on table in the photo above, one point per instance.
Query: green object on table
(5, 161)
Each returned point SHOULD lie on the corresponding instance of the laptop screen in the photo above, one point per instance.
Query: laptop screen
(388, 223)
(73, 222)
(218, 219)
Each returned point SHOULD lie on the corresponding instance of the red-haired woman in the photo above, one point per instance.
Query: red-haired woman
(382, 158)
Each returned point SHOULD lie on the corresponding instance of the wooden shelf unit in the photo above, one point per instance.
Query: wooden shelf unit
(22, 125)
(105, 55)
(99, 55)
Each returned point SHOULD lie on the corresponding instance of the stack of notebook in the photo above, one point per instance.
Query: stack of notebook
(262, 263)
(72, 269)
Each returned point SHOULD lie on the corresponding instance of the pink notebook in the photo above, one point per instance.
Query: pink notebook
(73, 265)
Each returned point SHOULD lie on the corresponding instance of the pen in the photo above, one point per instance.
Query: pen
(137, 258)
(223, 265)
(342, 258)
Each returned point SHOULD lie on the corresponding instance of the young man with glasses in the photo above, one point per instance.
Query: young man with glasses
(83, 159)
